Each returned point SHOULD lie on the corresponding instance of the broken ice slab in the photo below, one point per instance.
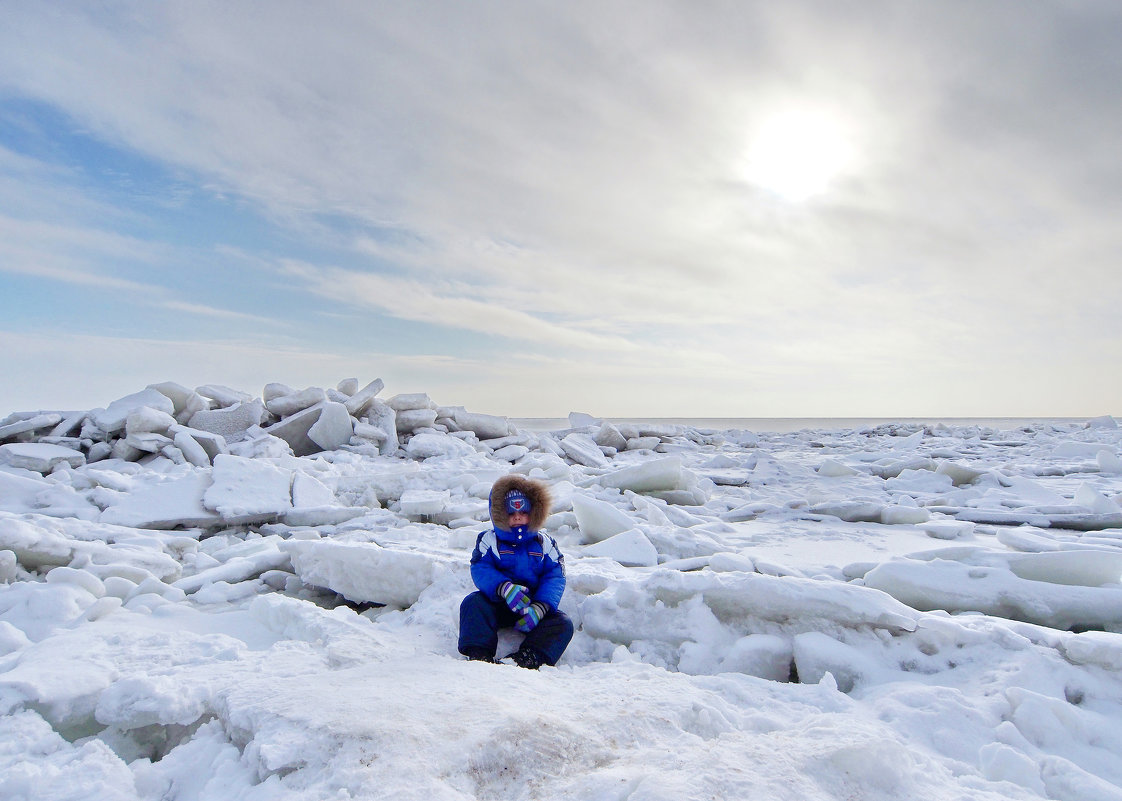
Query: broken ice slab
(30, 424)
(171, 504)
(366, 572)
(39, 457)
(416, 503)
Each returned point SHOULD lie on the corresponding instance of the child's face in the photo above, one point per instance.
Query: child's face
(518, 519)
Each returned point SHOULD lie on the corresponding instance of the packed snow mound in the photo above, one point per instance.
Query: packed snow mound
(211, 594)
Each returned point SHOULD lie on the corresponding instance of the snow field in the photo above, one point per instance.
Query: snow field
(211, 595)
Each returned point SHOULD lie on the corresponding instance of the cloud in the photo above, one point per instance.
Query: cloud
(447, 304)
(211, 311)
(568, 175)
(70, 254)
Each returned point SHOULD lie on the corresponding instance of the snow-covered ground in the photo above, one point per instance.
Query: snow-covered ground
(213, 595)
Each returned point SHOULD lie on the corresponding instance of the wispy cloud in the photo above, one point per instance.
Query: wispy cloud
(217, 313)
(571, 176)
(446, 304)
(69, 254)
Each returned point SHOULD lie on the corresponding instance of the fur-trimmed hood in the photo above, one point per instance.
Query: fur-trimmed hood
(536, 491)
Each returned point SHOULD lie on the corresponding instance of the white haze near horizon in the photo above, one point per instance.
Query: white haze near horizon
(534, 209)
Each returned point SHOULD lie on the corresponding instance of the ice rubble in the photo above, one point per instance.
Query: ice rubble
(209, 578)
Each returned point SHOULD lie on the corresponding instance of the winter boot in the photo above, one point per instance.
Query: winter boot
(526, 658)
(479, 655)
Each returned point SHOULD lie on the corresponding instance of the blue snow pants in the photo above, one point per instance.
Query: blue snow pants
(481, 618)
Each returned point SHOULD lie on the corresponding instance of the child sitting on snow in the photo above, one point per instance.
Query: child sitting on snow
(520, 574)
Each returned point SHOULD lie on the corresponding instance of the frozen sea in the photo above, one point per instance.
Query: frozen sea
(214, 594)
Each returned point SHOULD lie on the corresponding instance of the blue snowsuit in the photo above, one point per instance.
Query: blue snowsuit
(522, 556)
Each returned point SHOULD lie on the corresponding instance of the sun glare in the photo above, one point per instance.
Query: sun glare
(796, 155)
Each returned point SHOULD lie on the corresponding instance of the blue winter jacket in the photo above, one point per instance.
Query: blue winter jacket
(521, 556)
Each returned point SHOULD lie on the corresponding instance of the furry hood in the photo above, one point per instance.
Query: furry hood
(536, 491)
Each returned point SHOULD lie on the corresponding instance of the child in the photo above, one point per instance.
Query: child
(520, 574)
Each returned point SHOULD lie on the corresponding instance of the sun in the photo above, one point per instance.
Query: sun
(797, 154)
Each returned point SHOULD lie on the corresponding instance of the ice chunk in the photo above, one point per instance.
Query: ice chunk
(146, 421)
(654, 475)
(582, 420)
(33, 546)
(898, 514)
(20, 494)
(1108, 461)
(193, 449)
(30, 424)
(223, 395)
(511, 453)
(259, 445)
(1104, 423)
(37, 545)
(384, 418)
(360, 400)
(79, 578)
(763, 655)
(248, 564)
(170, 504)
(274, 390)
(348, 386)
(598, 520)
(817, 654)
(851, 511)
(39, 457)
(245, 489)
(630, 548)
(1094, 500)
(112, 419)
(9, 567)
(1033, 492)
(285, 405)
(955, 587)
(367, 572)
(333, 428)
(582, 449)
(1076, 450)
(890, 468)
(436, 445)
(294, 430)
(185, 401)
(231, 422)
(412, 419)
(485, 426)
(1094, 648)
(424, 502)
(960, 474)
(370, 433)
(609, 436)
(1082, 568)
(411, 402)
(149, 442)
(832, 468)
(948, 529)
(310, 491)
(328, 515)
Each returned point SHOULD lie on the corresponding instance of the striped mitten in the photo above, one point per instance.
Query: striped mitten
(531, 617)
(515, 596)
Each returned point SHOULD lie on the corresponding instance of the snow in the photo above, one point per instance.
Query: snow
(211, 595)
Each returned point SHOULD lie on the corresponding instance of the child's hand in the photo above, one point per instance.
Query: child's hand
(531, 617)
(515, 596)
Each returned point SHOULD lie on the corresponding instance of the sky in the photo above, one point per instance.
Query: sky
(816, 208)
